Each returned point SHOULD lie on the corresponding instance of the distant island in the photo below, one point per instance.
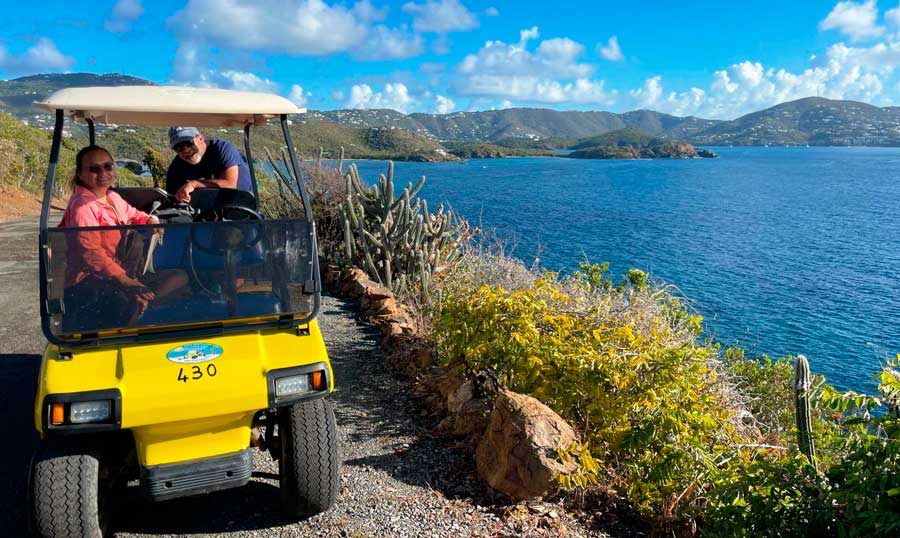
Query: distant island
(628, 143)
(635, 144)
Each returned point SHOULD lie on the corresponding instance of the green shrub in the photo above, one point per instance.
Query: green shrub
(616, 362)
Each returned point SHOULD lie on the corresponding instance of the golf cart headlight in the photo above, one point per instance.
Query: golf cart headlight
(85, 412)
(294, 384)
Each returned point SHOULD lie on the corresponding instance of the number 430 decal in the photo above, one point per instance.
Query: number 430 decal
(196, 372)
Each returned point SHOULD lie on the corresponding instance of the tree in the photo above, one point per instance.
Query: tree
(156, 165)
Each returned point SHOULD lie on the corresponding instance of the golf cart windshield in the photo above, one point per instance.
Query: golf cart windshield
(212, 266)
(256, 271)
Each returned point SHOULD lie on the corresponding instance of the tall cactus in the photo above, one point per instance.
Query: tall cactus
(802, 389)
(395, 239)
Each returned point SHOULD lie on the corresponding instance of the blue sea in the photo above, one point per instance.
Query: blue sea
(782, 250)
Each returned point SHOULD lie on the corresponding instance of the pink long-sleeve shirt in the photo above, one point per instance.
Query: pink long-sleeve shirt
(94, 252)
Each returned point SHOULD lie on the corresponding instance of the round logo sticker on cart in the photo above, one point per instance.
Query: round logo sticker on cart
(194, 353)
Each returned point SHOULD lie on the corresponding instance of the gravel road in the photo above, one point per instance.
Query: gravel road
(396, 479)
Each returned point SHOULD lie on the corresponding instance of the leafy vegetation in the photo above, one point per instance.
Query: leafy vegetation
(693, 437)
(24, 152)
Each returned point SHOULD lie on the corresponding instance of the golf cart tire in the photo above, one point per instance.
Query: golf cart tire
(63, 494)
(309, 466)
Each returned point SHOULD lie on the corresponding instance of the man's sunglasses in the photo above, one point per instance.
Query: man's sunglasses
(96, 168)
(181, 146)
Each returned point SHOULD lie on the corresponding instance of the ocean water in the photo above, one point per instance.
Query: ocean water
(782, 250)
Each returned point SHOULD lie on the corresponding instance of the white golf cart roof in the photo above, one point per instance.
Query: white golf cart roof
(164, 106)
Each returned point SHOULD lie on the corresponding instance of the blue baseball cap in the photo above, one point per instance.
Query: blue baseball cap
(177, 135)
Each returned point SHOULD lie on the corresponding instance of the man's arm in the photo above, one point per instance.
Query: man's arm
(228, 180)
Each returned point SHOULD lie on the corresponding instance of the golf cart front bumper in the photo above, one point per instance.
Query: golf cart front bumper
(172, 480)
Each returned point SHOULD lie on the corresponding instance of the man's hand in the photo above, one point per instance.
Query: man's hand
(184, 193)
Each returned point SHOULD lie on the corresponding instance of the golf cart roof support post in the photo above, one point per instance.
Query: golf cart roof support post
(91, 132)
(250, 162)
(51, 173)
(294, 166)
(43, 262)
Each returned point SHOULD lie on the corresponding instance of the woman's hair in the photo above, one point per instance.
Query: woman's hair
(79, 158)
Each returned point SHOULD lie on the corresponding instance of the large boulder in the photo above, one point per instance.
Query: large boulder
(517, 455)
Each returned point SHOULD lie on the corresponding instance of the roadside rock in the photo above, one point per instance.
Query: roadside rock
(355, 282)
(517, 455)
(471, 420)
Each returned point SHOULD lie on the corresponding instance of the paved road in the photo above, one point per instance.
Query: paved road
(396, 479)
(21, 342)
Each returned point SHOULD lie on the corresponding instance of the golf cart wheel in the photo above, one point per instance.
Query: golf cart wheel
(63, 496)
(308, 467)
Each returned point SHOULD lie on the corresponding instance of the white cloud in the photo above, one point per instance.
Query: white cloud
(297, 95)
(505, 104)
(394, 96)
(528, 34)
(441, 16)
(208, 29)
(611, 51)
(553, 58)
(367, 12)
(444, 105)
(549, 74)
(124, 13)
(647, 95)
(892, 16)
(43, 56)
(296, 28)
(241, 80)
(855, 20)
(841, 73)
(384, 43)
(492, 12)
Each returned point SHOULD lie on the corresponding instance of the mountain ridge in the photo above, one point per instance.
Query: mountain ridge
(807, 121)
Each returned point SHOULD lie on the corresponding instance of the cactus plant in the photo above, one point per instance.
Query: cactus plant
(802, 389)
(395, 239)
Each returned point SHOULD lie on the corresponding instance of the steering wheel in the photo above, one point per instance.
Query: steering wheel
(227, 235)
(227, 213)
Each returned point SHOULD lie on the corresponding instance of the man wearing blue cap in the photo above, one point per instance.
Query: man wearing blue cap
(204, 163)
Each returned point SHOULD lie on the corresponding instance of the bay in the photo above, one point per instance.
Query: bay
(782, 250)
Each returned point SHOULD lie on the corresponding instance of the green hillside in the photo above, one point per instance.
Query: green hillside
(24, 152)
(17, 95)
(370, 143)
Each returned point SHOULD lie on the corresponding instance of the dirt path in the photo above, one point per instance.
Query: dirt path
(396, 479)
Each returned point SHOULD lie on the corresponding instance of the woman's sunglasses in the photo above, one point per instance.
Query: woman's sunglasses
(96, 168)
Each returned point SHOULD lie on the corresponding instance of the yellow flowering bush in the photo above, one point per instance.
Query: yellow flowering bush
(620, 363)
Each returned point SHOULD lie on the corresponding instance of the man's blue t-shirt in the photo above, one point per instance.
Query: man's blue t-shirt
(220, 155)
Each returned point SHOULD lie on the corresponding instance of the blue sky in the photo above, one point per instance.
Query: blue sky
(709, 59)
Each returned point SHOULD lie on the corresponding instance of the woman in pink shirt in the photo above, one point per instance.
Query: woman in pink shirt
(97, 284)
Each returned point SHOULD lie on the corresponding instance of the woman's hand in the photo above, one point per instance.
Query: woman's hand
(153, 219)
(143, 296)
(143, 293)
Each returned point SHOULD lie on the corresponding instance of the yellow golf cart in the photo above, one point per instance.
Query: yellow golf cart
(169, 399)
